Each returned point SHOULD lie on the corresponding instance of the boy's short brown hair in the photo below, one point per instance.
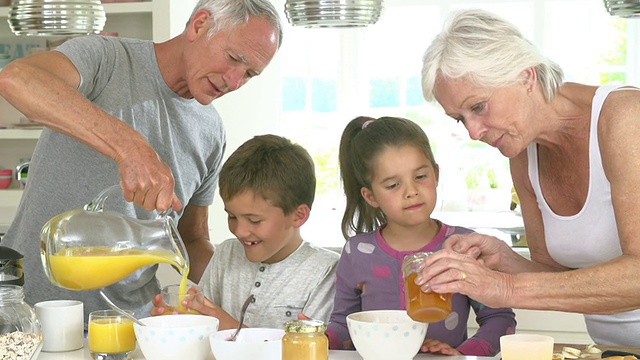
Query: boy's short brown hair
(272, 167)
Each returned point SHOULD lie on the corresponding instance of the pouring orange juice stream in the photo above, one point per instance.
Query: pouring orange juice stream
(94, 260)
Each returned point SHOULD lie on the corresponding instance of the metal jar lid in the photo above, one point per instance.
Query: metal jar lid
(9, 254)
(305, 326)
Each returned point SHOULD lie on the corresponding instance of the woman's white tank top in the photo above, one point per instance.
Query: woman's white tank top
(589, 237)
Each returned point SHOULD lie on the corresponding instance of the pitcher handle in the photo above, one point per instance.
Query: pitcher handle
(97, 203)
(173, 229)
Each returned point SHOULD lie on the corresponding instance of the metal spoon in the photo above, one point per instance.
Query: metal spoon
(120, 311)
(244, 310)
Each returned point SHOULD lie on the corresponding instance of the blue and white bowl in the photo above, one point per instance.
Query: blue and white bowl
(180, 336)
(386, 334)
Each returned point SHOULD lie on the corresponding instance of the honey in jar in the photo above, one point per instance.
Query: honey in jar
(305, 340)
(422, 306)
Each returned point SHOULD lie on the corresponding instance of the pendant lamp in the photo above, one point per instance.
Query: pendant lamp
(333, 13)
(56, 17)
(623, 8)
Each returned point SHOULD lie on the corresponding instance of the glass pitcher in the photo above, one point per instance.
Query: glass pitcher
(90, 248)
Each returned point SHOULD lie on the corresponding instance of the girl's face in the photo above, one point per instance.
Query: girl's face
(403, 185)
(266, 232)
(497, 117)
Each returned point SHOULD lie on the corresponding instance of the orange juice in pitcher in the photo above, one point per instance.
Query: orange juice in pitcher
(91, 248)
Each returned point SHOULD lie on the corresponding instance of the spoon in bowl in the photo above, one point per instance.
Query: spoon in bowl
(242, 312)
(120, 311)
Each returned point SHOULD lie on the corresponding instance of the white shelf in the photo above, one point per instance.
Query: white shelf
(110, 8)
(10, 198)
(128, 8)
(20, 134)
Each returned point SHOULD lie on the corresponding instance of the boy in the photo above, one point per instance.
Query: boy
(267, 186)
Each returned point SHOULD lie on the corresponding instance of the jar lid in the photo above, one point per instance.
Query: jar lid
(9, 254)
(415, 258)
(305, 326)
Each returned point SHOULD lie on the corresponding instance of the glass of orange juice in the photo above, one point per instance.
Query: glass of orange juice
(173, 295)
(422, 306)
(111, 336)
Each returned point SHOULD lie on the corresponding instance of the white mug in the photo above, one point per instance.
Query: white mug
(62, 324)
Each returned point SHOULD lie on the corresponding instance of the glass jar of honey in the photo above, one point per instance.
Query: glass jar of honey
(305, 340)
(422, 306)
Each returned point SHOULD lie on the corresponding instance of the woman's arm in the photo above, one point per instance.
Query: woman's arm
(610, 287)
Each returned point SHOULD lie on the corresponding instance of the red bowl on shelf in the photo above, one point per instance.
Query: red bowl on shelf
(6, 176)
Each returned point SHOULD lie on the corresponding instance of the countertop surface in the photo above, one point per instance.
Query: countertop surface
(83, 354)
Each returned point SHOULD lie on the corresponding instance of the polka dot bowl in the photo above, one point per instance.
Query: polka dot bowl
(386, 334)
(181, 336)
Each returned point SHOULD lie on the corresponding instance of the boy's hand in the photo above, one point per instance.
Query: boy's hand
(436, 346)
(302, 316)
(160, 307)
(207, 307)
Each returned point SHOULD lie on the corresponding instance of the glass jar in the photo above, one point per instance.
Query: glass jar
(422, 306)
(305, 340)
(20, 332)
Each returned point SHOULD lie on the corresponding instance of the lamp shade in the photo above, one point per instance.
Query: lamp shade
(623, 8)
(56, 17)
(333, 13)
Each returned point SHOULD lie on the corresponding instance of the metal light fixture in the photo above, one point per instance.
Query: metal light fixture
(56, 17)
(623, 8)
(333, 13)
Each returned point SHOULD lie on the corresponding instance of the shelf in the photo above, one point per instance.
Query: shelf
(128, 8)
(10, 198)
(20, 134)
(110, 8)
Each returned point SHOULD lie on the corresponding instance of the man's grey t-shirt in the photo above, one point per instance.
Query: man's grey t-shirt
(122, 77)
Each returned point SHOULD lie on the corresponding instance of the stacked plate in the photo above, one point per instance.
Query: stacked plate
(623, 8)
(56, 17)
(333, 13)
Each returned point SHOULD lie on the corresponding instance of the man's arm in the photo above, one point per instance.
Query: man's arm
(194, 230)
(44, 88)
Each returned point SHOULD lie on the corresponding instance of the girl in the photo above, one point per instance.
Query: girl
(390, 177)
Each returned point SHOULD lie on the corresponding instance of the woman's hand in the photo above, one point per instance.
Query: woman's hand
(438, 347)
(447, 271)
(488, 249)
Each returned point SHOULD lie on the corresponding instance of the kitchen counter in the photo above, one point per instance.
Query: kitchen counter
(83, 354)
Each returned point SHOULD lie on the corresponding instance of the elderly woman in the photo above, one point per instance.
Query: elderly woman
(574, 157)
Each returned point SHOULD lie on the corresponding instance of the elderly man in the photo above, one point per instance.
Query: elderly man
(136, 113)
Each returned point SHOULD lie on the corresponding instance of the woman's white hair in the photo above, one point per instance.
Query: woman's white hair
(226, 14)
(487, 49)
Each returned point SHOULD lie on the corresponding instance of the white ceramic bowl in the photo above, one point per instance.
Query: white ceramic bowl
(251, 344)
(386, 334)
(170, 337)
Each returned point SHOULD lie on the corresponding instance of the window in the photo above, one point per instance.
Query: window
(329, 76)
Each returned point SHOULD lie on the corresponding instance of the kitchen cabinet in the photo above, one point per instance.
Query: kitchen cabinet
(157, 20)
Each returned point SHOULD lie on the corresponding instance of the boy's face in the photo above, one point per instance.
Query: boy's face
(267, 234)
